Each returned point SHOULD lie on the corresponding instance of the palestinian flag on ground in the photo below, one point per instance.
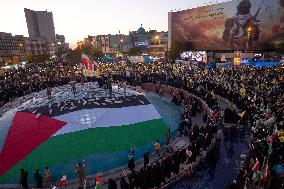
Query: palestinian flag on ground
(53, 134)
(89, 66)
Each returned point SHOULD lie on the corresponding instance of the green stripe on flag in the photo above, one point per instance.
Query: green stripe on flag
(76, 145)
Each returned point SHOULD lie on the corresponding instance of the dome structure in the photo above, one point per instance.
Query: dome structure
(141, 30)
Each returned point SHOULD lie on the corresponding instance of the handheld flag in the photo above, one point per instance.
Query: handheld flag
(89, 66)
(99, 182)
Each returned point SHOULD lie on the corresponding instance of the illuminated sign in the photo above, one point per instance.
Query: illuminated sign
(142, 43)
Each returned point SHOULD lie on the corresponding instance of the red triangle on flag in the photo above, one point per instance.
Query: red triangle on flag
(25, 134)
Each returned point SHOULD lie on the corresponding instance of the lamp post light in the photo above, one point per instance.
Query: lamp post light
(249, 31)
(157, 39)
(120, 44)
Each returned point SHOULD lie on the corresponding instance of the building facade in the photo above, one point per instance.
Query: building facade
(35, 47)
(12, 48)
(102, 43)
(60, 42)
(41, 26)
(155, 42)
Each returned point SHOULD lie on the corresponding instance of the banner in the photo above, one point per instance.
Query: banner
(232, 25)
(89, 66)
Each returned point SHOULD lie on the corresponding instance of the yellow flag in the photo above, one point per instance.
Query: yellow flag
(241, 114)
(242, 92)
(205, 71)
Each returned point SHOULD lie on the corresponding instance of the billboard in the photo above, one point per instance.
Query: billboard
(199, 56)
(233, 25)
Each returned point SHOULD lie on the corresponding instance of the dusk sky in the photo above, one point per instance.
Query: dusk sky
(80, 18)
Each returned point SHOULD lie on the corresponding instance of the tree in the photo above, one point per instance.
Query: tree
(175, 50)
(60, 51)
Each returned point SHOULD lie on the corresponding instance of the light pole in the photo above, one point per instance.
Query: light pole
(120, 44)
(249, 31)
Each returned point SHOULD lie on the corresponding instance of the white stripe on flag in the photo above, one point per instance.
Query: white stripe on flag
(106, 117)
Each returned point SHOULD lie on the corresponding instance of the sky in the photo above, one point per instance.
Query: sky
(77, 19)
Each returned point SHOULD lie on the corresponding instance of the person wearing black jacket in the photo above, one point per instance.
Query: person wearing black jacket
(112, 184)
(38, 179)
(146, 158)
(123, 183)
(24, 179)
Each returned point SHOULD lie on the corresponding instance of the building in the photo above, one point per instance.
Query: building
(119, 43)
(35, 47)
(158, 43)
(154, 42)
(41, 26)
(102, 43)
(12, 48)
(60, 42)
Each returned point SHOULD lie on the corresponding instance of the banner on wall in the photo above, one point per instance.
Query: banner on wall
(232, 25)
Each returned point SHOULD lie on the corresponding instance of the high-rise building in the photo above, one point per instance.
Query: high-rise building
(40, 24)
(41, 27)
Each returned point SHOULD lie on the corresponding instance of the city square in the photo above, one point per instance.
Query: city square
(190, 98)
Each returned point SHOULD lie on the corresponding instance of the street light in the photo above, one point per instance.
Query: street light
(249, 32)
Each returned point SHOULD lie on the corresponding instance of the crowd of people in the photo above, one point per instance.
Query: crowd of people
(257, 94)
(17, 82)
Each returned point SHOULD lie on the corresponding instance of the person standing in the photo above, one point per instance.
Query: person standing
(157, 147)
(146, 158)
(123, 183)
(24, 179)
(82, 79)
(168, 136)
(38, 179)
(81, 174)
(131, 164)
(112, 184)
(73, 87)
(109, 85)
(47, 176)
(48, 90)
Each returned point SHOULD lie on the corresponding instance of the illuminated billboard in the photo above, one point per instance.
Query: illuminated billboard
(199, 56)
(233, 25)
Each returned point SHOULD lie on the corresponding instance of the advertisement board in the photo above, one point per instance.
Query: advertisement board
(232, 25)
(199, 56)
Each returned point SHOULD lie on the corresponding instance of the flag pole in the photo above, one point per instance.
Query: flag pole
(263, 164)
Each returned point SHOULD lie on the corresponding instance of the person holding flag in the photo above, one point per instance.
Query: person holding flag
(99, 182)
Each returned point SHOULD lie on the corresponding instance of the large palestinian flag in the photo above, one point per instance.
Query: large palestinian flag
(42, 132)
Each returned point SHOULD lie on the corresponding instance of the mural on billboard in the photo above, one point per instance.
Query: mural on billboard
(235, 25)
